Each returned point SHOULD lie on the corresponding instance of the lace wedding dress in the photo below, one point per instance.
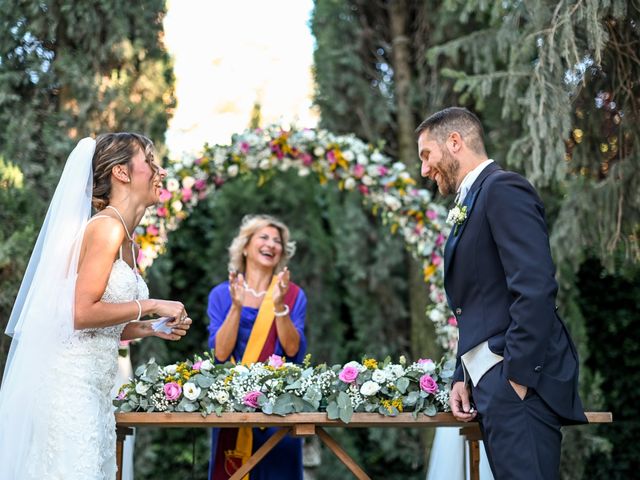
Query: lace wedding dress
(80, 437)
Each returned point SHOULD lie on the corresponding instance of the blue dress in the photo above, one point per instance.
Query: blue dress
(284, 462)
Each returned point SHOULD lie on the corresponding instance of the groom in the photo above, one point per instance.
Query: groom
(517, 367)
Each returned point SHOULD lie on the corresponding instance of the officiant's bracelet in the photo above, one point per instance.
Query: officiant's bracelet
(283, 313)
(139, 309)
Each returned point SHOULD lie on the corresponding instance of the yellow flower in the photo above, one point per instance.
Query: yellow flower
(397, 402)
(429, 271)
(371, 363)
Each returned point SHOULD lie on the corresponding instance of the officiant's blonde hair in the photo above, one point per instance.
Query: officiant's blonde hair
(249, 226)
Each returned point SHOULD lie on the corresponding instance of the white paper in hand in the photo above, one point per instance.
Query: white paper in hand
(160, 325)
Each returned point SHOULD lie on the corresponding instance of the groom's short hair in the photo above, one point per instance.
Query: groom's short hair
(455, 119)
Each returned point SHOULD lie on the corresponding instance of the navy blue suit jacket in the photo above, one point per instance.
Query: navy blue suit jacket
(500, 283)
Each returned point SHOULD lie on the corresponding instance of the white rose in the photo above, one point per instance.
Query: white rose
(177, 205)
(379, 376)
(188, 181)
(318, 151)
(240, 369)
(362, 159)
(173, 185)
(222, 397)
(188, 160)
(349, 183)
(142, 388)
(395, 370)
(427, 366)
(303, 171)
(354, 364)
(264, 164)
(392, 202)
(170, 369)
(348, 156)
(377, 157)
(206, 365)
(191, 391)
(232, 170)
(369, 388)
(367, 180)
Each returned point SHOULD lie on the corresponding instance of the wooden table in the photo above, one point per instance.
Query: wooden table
(308, 424)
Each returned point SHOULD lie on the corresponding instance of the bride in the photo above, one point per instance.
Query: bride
(81, 294)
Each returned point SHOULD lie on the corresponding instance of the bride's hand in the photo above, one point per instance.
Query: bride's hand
(169, 308)
(177, 332)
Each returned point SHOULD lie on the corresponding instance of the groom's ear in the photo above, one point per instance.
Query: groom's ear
(454, 142)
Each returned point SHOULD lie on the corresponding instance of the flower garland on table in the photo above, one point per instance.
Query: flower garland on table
(279, 388)
(386, 186)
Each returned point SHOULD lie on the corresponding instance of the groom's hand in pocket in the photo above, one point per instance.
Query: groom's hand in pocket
(460, 403)
(520, 390)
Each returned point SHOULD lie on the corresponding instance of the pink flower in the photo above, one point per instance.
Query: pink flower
(162, 211)
(275, 361)
(200, 184)
(358, 171)
(431, 215)
(140, 259)
(251, 399)
(197, 365)
(198, 161)
(348, 374)
(436, 259)
(172, 391)
(187, 193)
(244, 147)
(307, 160)
(382, 170)
(121, 395)
(428, 384)
(331, 157)
(152, 230)
(439, 240)
(165, 195)
(422, 361)
(452, 321)
(363, 189)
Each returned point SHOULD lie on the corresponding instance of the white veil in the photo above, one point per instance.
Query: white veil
(42, 316)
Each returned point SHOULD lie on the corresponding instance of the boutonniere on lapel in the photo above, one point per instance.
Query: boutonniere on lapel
(457, 216)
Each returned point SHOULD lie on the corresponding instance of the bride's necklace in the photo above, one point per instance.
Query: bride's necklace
(250, 290)
(124, 224)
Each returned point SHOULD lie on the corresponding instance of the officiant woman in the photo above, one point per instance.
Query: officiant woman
(257, 313)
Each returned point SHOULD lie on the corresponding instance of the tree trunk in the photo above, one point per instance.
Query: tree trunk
(423, 338)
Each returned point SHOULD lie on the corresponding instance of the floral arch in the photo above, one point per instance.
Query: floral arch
(386, 188)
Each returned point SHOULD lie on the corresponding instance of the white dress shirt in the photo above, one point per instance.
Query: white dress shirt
(468, 180)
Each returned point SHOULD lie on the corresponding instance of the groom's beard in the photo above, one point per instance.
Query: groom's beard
(448, 168)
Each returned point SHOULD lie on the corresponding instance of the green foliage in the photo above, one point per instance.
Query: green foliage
(352, 270)
(18, 206)
(611, 305)
(564, 74)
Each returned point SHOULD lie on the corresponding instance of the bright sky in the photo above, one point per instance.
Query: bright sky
(227, 55)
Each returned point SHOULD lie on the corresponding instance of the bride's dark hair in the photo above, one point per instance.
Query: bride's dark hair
(115, 149)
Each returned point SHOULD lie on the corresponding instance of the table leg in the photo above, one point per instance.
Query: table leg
(473, 435)
(259, 454)
(121, 434)
(342, 455)
(474, 460)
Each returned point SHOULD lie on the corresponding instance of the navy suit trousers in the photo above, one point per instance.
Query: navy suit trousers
(522, 437)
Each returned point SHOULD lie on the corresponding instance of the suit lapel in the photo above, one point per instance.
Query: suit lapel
(469, 201)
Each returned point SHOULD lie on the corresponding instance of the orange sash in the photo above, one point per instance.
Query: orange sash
(255, 344)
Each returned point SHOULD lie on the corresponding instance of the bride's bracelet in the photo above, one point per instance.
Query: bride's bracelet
(139, 309)
(283, 313)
